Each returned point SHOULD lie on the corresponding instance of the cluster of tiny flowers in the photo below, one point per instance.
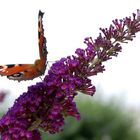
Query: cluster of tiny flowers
(46, 105)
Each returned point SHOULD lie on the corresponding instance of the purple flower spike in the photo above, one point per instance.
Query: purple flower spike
(46, 105)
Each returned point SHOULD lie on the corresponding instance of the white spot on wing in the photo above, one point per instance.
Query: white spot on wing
(3, 69)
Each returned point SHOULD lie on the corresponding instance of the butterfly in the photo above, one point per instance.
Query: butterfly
(21, 72)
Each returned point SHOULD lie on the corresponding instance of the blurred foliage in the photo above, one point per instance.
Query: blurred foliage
(100, 120)
(1, 114)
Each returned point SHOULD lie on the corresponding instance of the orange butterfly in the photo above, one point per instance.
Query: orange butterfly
(29, 71)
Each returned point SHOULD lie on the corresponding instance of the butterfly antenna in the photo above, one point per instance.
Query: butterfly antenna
(41, 78)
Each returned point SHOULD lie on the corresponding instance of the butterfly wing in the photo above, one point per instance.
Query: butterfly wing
(29, 71)
(40, 64)
(18, 72)
(41, 38)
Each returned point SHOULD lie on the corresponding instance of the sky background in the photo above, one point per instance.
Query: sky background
(66, 24)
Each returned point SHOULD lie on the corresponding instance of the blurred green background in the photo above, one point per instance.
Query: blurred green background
(101, 119)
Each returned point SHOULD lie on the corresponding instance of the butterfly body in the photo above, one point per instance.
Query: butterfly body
(21, 72)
